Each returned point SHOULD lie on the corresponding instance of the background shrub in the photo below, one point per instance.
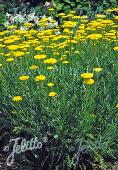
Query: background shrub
(2, 16)
(89, 7)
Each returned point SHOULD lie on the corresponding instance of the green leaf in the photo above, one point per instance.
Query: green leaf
(79, 6)
(73, 4)
(68, 1)
(60, 6)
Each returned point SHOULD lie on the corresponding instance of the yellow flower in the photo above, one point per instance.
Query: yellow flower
(40, 78)
(12, 26)
(84, 17)
(18, 53)
(76, 52)
(50, 68)
(109, 10)
(76, 17)
(1, 53)
(65, 62)
(51, 9)
(2, 33)
(7, 55)
(38, 48)
(55, 53)
(39, 57)
(94, 36)
(10, 59)
(69, 24)
(100, 16)
(115, 9)
(116, 105)
(61, 14)
(50, 61)
(23, 78)
(17, 98)
(27, 24)
(9, 41)
(98, 69)
(116, 17)
(66, 30)
(33, 67)
(70, 15)
(1, 45)
(50, 84)
(87, 75)
(52, 94)
(88, 81)
(116, 48)
(13, 47)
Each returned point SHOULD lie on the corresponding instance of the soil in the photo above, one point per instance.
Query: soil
(17, 166)
(3, 165)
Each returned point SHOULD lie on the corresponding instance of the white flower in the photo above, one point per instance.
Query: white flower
(50, 18)
(56, 24)
(47, 4)
(8, 15)
(44, 16)
(31, 16)
(23, 28)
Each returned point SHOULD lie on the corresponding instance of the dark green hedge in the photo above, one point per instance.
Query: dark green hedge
(85, 6)
(81, 6)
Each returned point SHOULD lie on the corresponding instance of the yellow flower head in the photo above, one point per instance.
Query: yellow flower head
(38, 48)
(66, 30)
(50, 84)
(13, 47)
(116, 17)
(9, 41)
(39, 57)
(51, 9)
(50, 68)
(2, 33)
(8, 54)
(1, 53)
(27, 24)
(52, 94)
(12, 26)
(65, 62)
(50, 61)
(17, 98)
(87, 75)
(23, 78)
(18, 53)
(69, 24)
(33, 67)
(88, 81)
(100, 16)
(61, 14)
(76, 52)
(116, 48)
(98, 69)
(94, 36)
(40, 78)
(10, 59)
(116, 105)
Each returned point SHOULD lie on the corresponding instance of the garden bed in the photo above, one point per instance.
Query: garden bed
(58, 91)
